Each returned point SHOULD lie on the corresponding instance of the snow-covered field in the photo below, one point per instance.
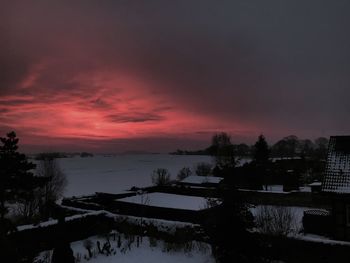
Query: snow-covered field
(120, 172)
(168, 200)
(133, 249)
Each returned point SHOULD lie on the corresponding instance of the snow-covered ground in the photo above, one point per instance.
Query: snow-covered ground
(168, 200)
(194, 179)
(120, 172)
(132, 249)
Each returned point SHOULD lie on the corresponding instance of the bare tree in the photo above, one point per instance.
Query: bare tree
(145, 201)
(57, 181)
(223, 151)
(183, 173)
(28, 207)
(204, 169)
(160, 177)
(88, 244)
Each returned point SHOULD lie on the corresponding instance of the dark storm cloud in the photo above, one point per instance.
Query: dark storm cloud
(278, 66)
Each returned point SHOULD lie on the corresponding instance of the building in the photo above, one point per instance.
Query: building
(336, 183)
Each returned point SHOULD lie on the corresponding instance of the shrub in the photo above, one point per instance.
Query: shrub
(183, 173)
(204, 169)
(161, 177)
(275, 220)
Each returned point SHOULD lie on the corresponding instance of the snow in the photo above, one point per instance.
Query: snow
(263, 191)
(315, 184)
(279, 189)
(275, 188)
(242, 161)
(322, 239)
(42, 224)
(168, 226)
(168, 200)
(113, 174)
(199, 187)
(70, 218)
(149, 251)
(194, 179)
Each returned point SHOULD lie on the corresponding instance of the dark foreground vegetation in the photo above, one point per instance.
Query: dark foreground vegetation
(227, 227)
(32, 196)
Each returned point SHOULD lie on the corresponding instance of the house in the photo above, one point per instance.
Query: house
(336, 184)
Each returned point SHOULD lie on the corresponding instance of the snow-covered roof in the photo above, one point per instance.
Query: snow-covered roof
(168, 200)
(315, 184)
(194, 179)
(337, 176)
(317, 212)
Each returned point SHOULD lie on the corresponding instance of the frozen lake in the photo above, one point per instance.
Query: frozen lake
(120, 172)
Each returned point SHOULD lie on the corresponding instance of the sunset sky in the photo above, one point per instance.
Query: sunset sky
(114, 76)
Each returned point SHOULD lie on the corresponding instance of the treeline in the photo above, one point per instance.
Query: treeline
(290, 146)
(290, 162)
(56, 155)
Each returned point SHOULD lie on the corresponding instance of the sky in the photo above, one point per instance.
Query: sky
(157, 75)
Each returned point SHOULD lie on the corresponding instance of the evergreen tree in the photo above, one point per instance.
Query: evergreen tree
(261, 159)
(261, 151)
(15, 180)
(227, 228)
(15, 172)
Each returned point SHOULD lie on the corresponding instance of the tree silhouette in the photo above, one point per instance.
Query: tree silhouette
(261, 151)
(227, 228)
(183, 173)
(203, 169)
(16, 181)
(160, 177)
(223, 151)
(261, 159)
(287, 147)
(306, 148)
(16, 177)
(321, 148)
(53, 189)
